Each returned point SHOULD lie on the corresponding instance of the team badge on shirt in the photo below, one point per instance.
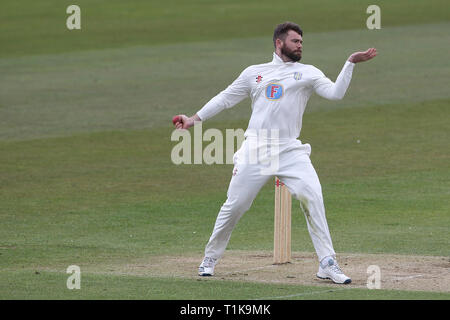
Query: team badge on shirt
(274, 91)
(258, 79)
(297, 75)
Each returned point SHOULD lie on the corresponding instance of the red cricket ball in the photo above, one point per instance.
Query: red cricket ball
(176, 119)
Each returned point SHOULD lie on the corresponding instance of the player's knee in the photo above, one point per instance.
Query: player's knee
(308, 195)
(239, 203)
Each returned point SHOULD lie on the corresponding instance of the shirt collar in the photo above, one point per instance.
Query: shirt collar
(278, 60)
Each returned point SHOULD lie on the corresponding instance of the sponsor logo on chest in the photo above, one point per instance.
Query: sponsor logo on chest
(274, 91)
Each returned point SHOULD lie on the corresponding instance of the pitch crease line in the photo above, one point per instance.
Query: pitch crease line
(300, 294)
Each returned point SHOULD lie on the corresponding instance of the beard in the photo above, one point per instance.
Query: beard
(291, 54)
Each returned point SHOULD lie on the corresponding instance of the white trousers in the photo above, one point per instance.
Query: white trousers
(290, 162)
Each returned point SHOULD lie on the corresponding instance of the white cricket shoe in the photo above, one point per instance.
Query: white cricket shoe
(206, 268)
(329, 269)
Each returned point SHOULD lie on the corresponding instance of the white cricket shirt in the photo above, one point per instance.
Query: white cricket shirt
(279, 92)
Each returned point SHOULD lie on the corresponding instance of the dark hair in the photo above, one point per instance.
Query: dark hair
(282, 29)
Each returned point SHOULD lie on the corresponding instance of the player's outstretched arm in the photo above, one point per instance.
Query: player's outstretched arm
(336, 91)
(362, 56)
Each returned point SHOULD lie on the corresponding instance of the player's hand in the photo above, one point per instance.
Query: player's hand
(182, 122)
(362, 56)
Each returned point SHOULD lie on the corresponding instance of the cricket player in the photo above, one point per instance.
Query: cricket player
(279, 91)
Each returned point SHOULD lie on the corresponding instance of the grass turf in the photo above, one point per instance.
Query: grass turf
(125, 287)
(93, 195)
(85, 175)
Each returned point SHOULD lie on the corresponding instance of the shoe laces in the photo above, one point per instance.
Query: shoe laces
(209, 262)
(335, 268)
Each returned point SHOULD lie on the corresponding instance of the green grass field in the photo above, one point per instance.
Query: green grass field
(85, 171)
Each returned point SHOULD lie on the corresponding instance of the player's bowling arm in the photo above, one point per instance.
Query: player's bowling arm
(232, 95)
(184, 122)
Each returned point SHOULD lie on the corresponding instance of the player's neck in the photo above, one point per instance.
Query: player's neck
(283, 57)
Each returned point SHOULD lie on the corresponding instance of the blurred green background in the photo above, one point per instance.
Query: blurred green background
(85, 125)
